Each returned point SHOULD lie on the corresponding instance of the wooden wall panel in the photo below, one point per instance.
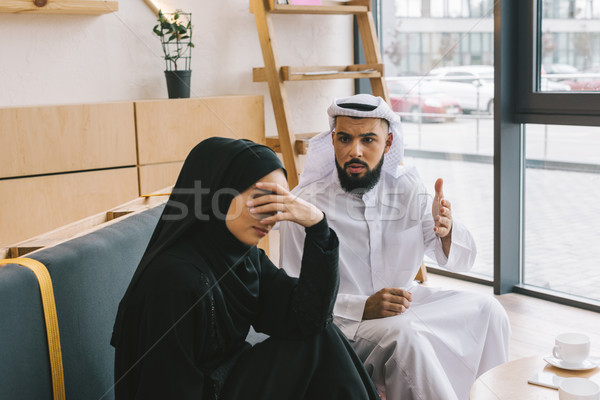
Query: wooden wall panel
(49, 139)
(31, 206)
(168, 129)
(158, 176)
(57, 139)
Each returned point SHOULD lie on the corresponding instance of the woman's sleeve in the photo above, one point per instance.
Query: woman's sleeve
(171, 339)
(293, 307)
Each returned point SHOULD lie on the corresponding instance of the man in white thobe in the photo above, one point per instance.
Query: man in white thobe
(417, 342)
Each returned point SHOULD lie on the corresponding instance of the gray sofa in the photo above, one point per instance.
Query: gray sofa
(89, 276)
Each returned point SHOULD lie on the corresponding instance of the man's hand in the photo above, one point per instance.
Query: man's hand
(442, 216)
(386, 303)
(441, 211)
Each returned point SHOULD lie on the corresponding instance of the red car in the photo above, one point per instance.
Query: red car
(589, 81)
(421, 97)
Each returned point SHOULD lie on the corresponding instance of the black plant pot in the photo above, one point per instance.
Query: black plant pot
(178, 84)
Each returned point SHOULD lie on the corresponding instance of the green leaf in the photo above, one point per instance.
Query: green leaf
(173, 28)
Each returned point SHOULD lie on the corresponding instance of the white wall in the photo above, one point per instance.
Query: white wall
(65, 59)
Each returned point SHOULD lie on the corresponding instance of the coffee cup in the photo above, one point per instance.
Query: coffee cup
(571, 348)
(578, 389)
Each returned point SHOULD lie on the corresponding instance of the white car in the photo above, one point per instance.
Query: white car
(472, 85)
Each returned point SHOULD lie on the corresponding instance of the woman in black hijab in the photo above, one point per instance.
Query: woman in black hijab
(202, 282)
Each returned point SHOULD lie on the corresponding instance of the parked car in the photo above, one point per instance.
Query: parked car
(472, 85)
(548, 85)
(589, 80)
(421, 97)
(559, 69)
(557, 77)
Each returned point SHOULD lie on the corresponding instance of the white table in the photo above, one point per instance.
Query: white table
(509, 381)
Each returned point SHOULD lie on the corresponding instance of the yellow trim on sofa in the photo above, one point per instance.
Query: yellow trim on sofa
(50, 316)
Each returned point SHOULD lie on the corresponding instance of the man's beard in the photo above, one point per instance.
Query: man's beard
(356, 184)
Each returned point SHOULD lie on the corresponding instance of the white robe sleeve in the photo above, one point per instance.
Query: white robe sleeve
(348, 311)
(349, 308)
(462, 250)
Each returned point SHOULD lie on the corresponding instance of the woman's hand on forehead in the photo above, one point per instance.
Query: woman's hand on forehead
(282, 206)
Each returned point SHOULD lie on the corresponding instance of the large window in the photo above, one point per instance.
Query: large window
(440, 75)
(546, 152)
(524, 142)
(559, 46)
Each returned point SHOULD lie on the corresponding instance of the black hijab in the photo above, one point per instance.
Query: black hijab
(215, 171)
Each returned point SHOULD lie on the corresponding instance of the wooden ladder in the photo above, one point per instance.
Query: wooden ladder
(289, 144)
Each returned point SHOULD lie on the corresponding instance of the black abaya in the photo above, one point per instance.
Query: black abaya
(182, 323)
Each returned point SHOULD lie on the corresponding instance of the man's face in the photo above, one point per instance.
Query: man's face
(359, 145)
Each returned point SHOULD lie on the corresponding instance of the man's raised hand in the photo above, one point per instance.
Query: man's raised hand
(441, 211)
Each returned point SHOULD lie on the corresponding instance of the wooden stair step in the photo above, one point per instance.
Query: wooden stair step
(301, 145)
(355, 71)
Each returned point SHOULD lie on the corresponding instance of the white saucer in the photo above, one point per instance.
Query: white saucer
(591, 362)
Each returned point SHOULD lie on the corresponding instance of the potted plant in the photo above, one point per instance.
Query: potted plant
(175, 33)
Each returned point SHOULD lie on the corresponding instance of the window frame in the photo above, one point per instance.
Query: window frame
(550, 108)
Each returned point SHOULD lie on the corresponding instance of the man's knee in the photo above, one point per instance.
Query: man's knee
(497, 311)
(392, 334)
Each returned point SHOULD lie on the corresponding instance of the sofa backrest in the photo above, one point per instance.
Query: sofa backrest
(89, 275)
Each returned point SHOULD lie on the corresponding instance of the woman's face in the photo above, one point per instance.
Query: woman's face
(246, 227)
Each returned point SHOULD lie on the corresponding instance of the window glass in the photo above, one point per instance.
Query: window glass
(437, 8)
(455, 9)
(475, 43)
(561, 185)
(408, 8)
(447, 122)
(401, 8)
(562, 162)
(569, 51)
